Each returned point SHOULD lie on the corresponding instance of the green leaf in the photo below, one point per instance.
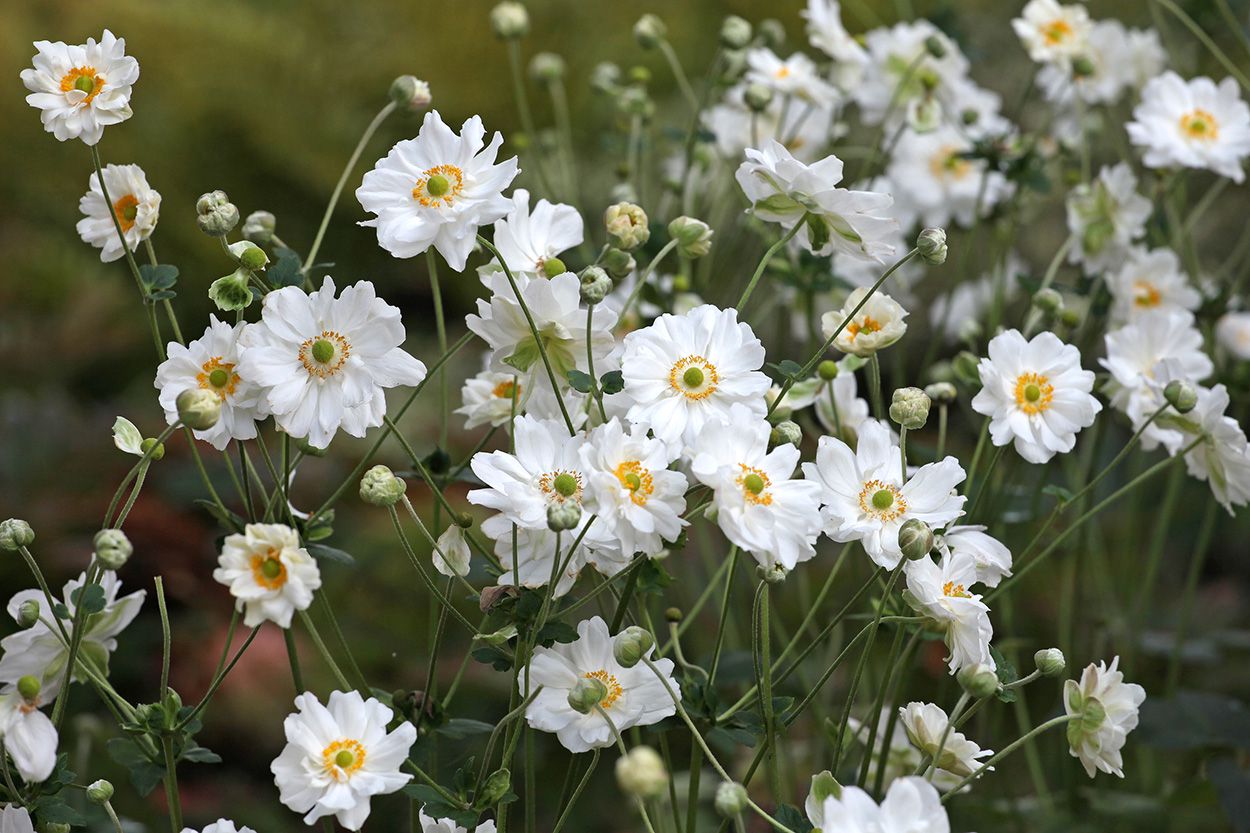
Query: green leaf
(1058, 492)
(324, 553)
(525, 355)
(462, 727)
(612, 382)
(90, 598)
(144, 774)
(285, 271)
(793, 818)
(163, 295)
(580, 381)
(1006, 674)
(225, 517)
(199, 754)
(160, 276)
(556, 632)
(652, 577)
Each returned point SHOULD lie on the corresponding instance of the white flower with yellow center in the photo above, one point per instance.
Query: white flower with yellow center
(222, 826)
(1053, 32)
(684, 372)
(631, 489)
(902, 69)
(324, 362)
(269, 574)
(901, 758)
(795, 76)
(1108, 707)
(338, 757)
(1035, 394)
(992, 557)
(210, 362)
(134, 204)
(911, 805)
(631, 696)
(1223, 457)
(1105, 217)
(941, 591)
(433, 825)
(935, 183)
(865, 497)
(805, 131)
(1150, 280)
(437, 190)
(926, 727)
(81, 89)
(492, 398)
(875, 326)
(1192, 124)
(29, 737)
(759, 505)
(531, 242)
(1232, 332)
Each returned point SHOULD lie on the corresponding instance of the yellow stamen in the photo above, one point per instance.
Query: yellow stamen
(439, 186)
(325, 354)
(950, 588)
(342, 758)
(754, 483)
(1200, 125)
(872, 500)
(694, 377)
(126, 209)
(217, 376)
(1056, 32)
(637, 480)
(268, 570)
(85, 79)
(1033, 393)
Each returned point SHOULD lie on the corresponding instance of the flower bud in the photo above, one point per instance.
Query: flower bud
(546, 67)
(758, 97)
(15, 533)
(112, 548)
(640, 772)
(587, 693)
(932, 246)
(1069, 317)
(595, 284)
(631, 645)
(28, 613)
(773, 574)
(785, 432)
(564, 515)
(510, 20)
(672, 615)
(249, 255)
(827, 370)
(735, 32)
(308, 449)
(915, 539)
(731, 799)
(1048, 301)
(910, 408)
(455, 557)
(381, 487)
(55, 827)
(29, 687)
(649, 31)
(978, 680)
(694, 237)
(409, 93)
(217, 215)
(1180, 395)
(100, 792)
(233, 292)
(154, 450)
(258, 227)
(496, 787)
(942, 393)
(627, 225)
(618, 263)
(1083, 67)
(199, 409)
(772, 32)
(924, 114)
(1050, 661)
(605, 77)
(639, 74)
(935, 47)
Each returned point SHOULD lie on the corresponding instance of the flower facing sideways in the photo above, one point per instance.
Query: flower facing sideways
(29, 737)
(878, 323)
(131, 201)
(940, 591)
(81, 89)
(531, 242)
(1107, 708)
(992, 557)
(269, 574)
(911, 805)
(926, 727)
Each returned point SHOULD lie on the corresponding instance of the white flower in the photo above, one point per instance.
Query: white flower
(135, 205)
(528, 240)
(795, 76)
(1105, 217)
(210, 362)
(940, 592)
(437, 190)
(1101, 690)
(337, 758)
(432, 825)
(221, 826)
(1053, 32)
(30, 739)
(15, 819)
(1119, 58)
(684, 372)
(839, 407)
(911, 805)
(489, 399)
(991, 556)
(901, 758)
(269, 574)
(1194, 124)
(878, 323)
(925, 725)
(452, 556)
(1232, 332)
(631, 489)
(635, 696)
(81, 89)
(1150, 280)
(534, 559)
(759, 506)
(901, 69)
(804, 132)
(826, 32)
(39, 652)
(934, 183)
(865, 497)
(784, 190)
(324, 362)
(1223, 458)
(127, 437)
(1035, 393)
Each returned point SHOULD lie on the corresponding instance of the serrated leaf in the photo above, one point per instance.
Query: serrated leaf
(199, 754)
(144, 774)
(1006, 674)
(462, 727)
(89, 598)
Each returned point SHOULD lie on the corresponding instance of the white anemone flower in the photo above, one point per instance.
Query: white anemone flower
(15, 819)
(1035, 394)
(29, 737)
(633, 696)
(1105, 217)
(492, 398)
(269, 574)
(135, 205)
(531, 242)
(911, 805)
(1150, 280)
(1223, 457)
(433, 825)
(878, 323)
(338, 756)
(805, 131)
(210, 363)
(1232, 332)
(939, 590)
(1192, 124)
(901, 69)
(826, 32)
(324, 362)
(1103, 693)
(1053, 32)
(795, 76)
(901, 757)
(81, 89)
(935, 183)
(221, 826)
(926, 726)
(437, 190)
(991, 556)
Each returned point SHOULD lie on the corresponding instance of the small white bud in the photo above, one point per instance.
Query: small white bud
(217, 216)
(112, 548)
(381, 487)
(932, 245)
(641, 772)
(199, 409)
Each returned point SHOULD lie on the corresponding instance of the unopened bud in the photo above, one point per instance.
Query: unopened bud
(673, 614)
(758, 96)
(198, 408)
(381, 487)
(942, 393)
(915, 539)
(605, 77)
(785, 432)
(772, 32)
(827, 370)
(217, 216)
(15, 533)
(546, 67)
(618, 263)
(978, 680)
(964, 366)
(249, 255)
(28, 613)
(259, 227)
(1048, 301)
(563, 516)
(910, 408)
(112, 548)
(153, 449)
(1180, 395)
(100, 791)
(932, 246)
(640, 772)
(1083, 67)
(1050, 661)
(587, 693)
(496, 787)
(649, 31)
(510, 20)
(595, 284)
(935, 47)
(731, 799)
(694, 237)
(631, 645)
(735, 32)
(627, 224)
(410, 93)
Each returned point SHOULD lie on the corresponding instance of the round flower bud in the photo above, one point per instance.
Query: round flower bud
(250, 255)
(910, 408)
(942, 393)
(100, 792)
(381, 487)
(758, 97)
(649, 31)
(932, 245)
(915, 539)
(153, 449)
(510, 20)
(1048, 300)
(618, 263)
(233, 292)
(731, 799)
(546, 67)
(627, 225)
(1050, 661)
(672, 614)
(595, 284)
(772, 32)
(978, 680)
(1069, 317)
(258, 227)
(631, 645)
(497, 785)
(605, 77)
(785, 432)
(924, 114)
(641, 772)
(55, 827)
(1181, 396)
(735, 32)
(639, 74)
(563, 516)
(773, 574)
(112, 548)
(694, 237)
(217, 215)
(15, 533)
(29, 687)
(28, 613)
(409, 93)
(586, 694)
(827, 370)
(933, 44)
(199, 409)
(1083, 67)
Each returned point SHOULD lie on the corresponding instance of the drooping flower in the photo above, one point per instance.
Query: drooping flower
(911, 805)
(826, 32)
(1193, 124)
(269, 574)
(901, 757)
(1108, 712)
(926, 726)
(135, 204)
(1150, 280)
(1223, 457)
(452, 556)
(1035, 394)
(1105, 217)
(338, 756)
(1053, 32)
(491, 398)
(437, 190)
(324, 362)
(632, 696)
(531, 242)
(878, 323)
(29, 737)
(940, 591)
(991, 556)
(221, 826)
(433, 825)
(81, 89)
(795, 76)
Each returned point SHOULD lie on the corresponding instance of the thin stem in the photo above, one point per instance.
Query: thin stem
(998, 756)
(1206, 40)
(325, 652)
(171, 785)
(768, 255)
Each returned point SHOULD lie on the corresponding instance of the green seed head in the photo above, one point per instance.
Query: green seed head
(322, 351)
(553, 266)
(271, 568)
(1032, 392)
(565, 484)
(753, 483)
(693, 377)
(344, 759)
(883, 499)
(218, 378)
(437, 185)
(28, 687)
(85, 83)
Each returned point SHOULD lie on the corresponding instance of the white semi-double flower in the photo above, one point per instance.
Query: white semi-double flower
(269, 574)
(991, 556)
(911, 805)
(1108, 707)
(1223, 457)
(874, 326)
(935, 181)
(1105, 217)
(134, 204)
(1192, 124)
(29, 737)
(492, 398)
(902, 68)
(324, 362)
(81, 89)
(826, 32)
(437, 190)
(338, 756)
(1232, 332)
(1150, 280)
(940, 591)
(926, 725)
(805, 131)
(1053, 32)
(531, 242)
(796, 76)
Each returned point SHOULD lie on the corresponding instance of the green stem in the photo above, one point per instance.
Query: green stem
(998, 756)
(1206, 40)
(768, 255)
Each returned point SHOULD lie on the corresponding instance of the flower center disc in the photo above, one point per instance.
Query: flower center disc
(324, 355)
(84, 80)
(1200, 125)
(1146, 294)
(882, 500)
(636, 480)
(1034, 393)
(268, 570)
(342, 758)
(439, 186)
(126, 209)
(610, 682)
(694, 377)
(754, 485)
(507, 390)
(1056, 32)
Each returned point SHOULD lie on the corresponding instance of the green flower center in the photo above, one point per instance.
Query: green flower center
(218, 378)
(322, 351)
(693, 377)
(633, 481)
(437, 185)
(1031, 392)
(882, 499)
(85, 83)
(753, 482)
(553, 266)
(565, 484)
(271, 568)
(344, 759)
